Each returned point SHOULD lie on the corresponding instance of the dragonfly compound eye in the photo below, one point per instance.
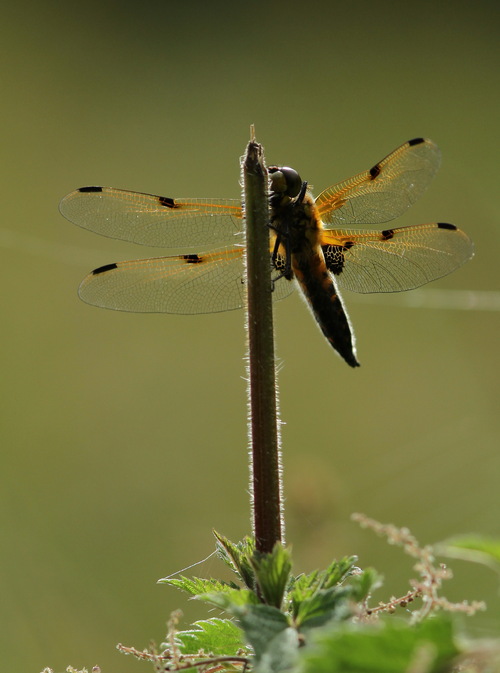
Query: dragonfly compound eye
(285, 180)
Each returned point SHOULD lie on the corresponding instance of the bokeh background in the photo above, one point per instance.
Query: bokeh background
(124, 436)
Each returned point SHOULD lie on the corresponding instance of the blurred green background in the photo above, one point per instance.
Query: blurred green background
(124, 436)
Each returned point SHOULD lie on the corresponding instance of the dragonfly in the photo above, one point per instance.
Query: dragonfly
(311, 243)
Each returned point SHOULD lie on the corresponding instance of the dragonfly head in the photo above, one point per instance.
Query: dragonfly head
(285, 181)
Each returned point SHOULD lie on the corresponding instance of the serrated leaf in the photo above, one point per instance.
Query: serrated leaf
(212, 636)
(304, 586)
(268, 632)
(238, 557)
(230, 598)
(281, 653)
(337, 571)
(319, 596)
(198, 585)
(387, 647)
(323, 606)
(272, 572)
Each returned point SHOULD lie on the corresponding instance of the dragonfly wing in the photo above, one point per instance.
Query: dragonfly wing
(395, 259)
(187, 284)
(153, 220)
(386, 190)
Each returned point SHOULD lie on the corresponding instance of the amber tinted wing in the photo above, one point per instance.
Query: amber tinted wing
(395, 259)
(385, 191)
(195, 283)
(153, 220)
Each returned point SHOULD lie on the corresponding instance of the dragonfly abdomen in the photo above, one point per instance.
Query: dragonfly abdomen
(325, 303)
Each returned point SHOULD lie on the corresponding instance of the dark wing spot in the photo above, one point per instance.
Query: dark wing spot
(444, 225)
(348, 244)
(167, 202)
(192, 259)
(375, 171)
(102, 269)
(416, 141)
(387, 234)
(90, 189)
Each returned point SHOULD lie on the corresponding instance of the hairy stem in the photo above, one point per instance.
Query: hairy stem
(265, 468)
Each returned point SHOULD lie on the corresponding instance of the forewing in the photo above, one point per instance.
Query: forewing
(395, 259)
(385, 191)
(188, 284)
(153, 220)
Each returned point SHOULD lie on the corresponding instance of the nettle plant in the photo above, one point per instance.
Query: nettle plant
(319, 621)
(273, 620)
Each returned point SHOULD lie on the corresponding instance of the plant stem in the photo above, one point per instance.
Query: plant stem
(265, 466)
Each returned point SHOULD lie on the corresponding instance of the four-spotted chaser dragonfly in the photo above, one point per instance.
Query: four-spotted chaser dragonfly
(306, 243)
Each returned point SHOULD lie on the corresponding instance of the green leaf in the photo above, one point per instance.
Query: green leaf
(386, 647)
(238, 558)
(230, 598)
(273, 573)
(222, 595)
(323, 606)
(304, 586)
(473, 548)
(319, 596)
(267, 630)
(213, 637)
(281, 653)
(364, 583)
(198, 585)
